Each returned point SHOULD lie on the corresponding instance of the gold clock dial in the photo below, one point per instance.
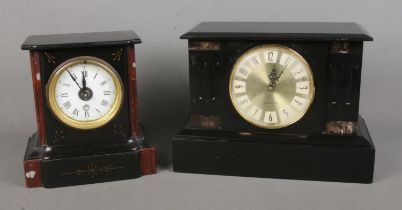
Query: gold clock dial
(271, 86)
(85, 92)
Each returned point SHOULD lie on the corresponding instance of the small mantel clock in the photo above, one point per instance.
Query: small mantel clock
(86, 109)
(276, 99)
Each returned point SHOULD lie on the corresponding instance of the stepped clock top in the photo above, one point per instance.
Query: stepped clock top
(74, 40)
(291, 31)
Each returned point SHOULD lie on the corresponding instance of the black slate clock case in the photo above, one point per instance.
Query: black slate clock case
(59, 155)
(330, 143)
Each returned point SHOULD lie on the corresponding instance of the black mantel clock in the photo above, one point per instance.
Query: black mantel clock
(86, 108)
(278, 99)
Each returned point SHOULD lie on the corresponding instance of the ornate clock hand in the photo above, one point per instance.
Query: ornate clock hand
(284, 68)
(273, 78)
(74, 79)
(280, 74)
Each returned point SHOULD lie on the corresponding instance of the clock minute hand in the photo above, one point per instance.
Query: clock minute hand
(280, 74)
(284, 68)
(74, 79)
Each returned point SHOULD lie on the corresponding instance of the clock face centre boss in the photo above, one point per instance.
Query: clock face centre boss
(271, 86)
(85, 92)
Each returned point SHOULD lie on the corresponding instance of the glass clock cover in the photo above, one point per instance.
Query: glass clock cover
(271, 86)
(85, 92)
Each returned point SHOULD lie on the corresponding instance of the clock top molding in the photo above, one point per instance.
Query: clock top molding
(279, 31)
(76, 40)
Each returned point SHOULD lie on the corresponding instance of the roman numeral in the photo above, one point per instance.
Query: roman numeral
(103, 83)
(106, 92)
(67, 104)
(75, 112)
(85, 72)
(96, 75)
(104, 102)
(64, 95)
(97, 110)
(86, 113)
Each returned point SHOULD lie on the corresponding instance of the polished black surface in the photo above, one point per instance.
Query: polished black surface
(74, 40)
(90, 169)
(277, 156)
(295, 31)
(86, 163)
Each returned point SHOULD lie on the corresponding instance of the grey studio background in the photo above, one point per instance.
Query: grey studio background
(163, 93)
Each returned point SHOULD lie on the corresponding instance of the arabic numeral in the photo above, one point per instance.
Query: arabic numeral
(243, 71)
(285, 112)
(270, 56)
(243, 101)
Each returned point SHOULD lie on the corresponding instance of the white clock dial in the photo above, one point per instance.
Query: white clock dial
(85, 92)
(271, 86)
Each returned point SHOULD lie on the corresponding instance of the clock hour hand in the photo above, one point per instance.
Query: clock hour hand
(273, 78)
(84, 82)
(74, 79)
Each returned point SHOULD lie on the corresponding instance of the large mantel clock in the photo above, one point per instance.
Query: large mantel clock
(276, 100)
(86, 109)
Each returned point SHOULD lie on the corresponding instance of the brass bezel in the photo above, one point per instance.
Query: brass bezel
(91, 124)
(286, 50)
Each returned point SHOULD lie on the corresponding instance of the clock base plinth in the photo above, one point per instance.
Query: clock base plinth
(313, 157)
(85, 164)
